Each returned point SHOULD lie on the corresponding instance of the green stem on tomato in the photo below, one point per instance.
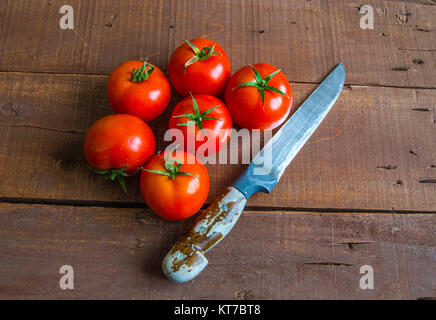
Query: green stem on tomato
(197, 118)
(262, 84)
(200, 55)
(115, 174)
(142, 74)
(172, 167)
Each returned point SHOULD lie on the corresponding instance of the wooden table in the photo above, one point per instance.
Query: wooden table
(361, 192)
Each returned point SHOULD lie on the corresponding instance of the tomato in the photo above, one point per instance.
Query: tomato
(138, 88)
(118, 145)
(209, 117)
(259, 97)
(175, 185)
(199, 66)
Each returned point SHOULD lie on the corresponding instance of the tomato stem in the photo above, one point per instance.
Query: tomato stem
(172, 167)
(116, 174)
(197, 118)
(200, 55)
(142, 74)
(262, 84)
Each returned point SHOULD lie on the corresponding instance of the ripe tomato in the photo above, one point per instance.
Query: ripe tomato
(209, 118)
(118, 145)
(199, 66)
(138, 88)
(259, 97)
(175, 185)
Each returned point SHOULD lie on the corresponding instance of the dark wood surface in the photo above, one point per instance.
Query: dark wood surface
(359, 192)
(116, 253)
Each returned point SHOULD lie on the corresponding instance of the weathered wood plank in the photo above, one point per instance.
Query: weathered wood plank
(371, 152)
(305, 38)
(116, 253)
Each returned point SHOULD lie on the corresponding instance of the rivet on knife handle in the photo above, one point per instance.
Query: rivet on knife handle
(186, 259)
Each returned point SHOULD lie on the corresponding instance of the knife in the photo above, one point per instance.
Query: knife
(187, 258)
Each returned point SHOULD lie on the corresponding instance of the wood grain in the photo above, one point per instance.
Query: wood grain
(371, 152)
(374, 152)
(304, 38)
(116, 254)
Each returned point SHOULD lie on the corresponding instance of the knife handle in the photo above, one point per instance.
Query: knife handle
(186, 259)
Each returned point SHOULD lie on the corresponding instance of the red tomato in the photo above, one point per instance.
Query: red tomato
(176, 186)
(244, 92)
(199, 66)
(138, 88)
(209, 118)
(118, 145)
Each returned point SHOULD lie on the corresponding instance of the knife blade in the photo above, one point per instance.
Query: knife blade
(288, 141)
(187, 258)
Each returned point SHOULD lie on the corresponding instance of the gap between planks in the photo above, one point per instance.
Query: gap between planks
(263, 209)
(347, 85)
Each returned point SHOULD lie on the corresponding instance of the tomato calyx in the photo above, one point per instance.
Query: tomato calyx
(200, 55)
(118, 174)
(142, 74)
(197, 118)
(262, 84)
(172, 167)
